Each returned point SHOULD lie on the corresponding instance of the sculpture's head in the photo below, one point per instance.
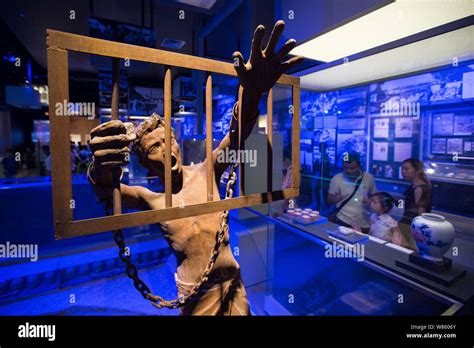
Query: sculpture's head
(150, 147)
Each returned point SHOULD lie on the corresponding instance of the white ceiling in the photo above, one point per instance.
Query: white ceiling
(394, 21)
(425, 54)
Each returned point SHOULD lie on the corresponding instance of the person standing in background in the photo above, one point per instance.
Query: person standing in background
(349, 191)
(287, 169)
(84, 159)
(305, 199)
(417, 198)
(74, 159)
(10, 165)
(46, 161)
(29, 158)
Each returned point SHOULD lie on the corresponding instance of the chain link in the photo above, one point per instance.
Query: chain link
(158, 301)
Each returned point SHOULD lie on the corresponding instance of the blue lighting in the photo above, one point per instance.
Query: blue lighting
(9, 57)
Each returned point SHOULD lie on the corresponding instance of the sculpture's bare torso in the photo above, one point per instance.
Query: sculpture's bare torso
(193, 239)
(190, 236)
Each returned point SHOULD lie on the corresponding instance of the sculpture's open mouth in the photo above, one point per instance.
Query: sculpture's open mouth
(174, 163)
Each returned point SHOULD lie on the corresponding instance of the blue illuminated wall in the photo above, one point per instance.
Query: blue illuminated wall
(385, 121)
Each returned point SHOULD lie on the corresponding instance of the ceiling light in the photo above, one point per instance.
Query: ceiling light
(418, 56)
(392, 22)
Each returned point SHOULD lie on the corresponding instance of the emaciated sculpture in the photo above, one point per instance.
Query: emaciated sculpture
(193, 238)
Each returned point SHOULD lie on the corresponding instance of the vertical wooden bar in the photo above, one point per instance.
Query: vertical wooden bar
(117, 196)
(115, 88)
(270, 141)
(295, 146)
(241, 173)
(167, 106)
(210, 162)
(60, 143)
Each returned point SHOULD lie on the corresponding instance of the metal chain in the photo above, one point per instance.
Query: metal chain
(158, 301)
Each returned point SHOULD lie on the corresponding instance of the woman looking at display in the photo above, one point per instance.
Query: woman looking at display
(417, 198)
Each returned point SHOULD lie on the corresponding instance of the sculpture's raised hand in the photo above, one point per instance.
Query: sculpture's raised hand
(264, 67)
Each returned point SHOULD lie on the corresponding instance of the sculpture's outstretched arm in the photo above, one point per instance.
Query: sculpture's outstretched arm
(256, 77)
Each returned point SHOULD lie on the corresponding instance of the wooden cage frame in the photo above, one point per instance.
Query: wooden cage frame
(58, 46)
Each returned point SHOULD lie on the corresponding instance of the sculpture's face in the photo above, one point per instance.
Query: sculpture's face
(153, 147)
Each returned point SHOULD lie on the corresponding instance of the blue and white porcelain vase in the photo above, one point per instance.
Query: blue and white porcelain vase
(433, 235)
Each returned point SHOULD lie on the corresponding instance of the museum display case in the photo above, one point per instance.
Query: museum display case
(186, 170)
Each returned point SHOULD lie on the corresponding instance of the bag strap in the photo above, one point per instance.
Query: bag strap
(338, 209)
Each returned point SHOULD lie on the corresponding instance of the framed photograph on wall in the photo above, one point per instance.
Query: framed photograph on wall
(438, 146)
(381, 127)
(402, 151)
(403, 127)
(455, 145)
(380, 151)
(443, 124)
(464, 125)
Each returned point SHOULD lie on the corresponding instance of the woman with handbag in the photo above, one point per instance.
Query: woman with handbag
(417, 198)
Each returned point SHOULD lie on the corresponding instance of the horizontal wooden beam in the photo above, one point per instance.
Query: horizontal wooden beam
(110, 223)
(85, 44)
